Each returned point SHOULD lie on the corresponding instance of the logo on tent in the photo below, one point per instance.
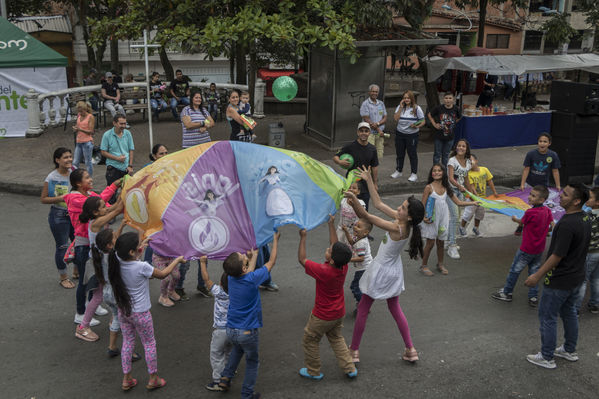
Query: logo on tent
(2, 132)
(22, 44)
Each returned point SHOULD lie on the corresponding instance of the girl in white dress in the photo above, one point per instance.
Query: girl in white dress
(383, 279)
(278, 202)
(435, 227)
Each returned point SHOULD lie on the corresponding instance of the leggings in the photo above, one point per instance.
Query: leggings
(142, 323)
(91, 307)
(170, 282)
(394, 308)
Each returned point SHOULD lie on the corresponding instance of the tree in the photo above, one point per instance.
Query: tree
(18, 8)
(558, 29)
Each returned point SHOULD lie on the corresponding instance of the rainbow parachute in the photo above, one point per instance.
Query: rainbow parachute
(221, 197)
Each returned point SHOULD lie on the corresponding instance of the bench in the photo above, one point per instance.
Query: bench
(132, 98)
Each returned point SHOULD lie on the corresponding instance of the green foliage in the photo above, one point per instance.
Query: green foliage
(414, 11)
(558, 29)
(18, 8)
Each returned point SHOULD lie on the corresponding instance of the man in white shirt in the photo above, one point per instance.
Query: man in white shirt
(373, 112)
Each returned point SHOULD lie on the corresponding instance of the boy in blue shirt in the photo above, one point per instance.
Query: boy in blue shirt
(245, 315)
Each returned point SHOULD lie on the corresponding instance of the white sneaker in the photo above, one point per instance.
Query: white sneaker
(539, 360)
(447, 244)
(453, 252)
(413, 177)
(561, 352)
(79, 319)
(100, 311)
(396, 174)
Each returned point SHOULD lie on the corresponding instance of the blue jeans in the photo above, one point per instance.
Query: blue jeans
(441, 153)
(244, 342)
(62, 230)
(454, 215)
(521, 260)
(174, 103)
(556, 303)
(592, 276)
(355, 285)
(158, 105)
(406, 142)
(183, 268)
(213, 110)
(81, 257)
(84, 150)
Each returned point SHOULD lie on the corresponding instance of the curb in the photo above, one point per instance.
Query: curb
(21, 188)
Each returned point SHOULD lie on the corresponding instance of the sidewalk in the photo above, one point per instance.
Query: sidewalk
(25, 162)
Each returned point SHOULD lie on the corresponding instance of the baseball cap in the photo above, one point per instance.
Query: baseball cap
(363, 124)
(93, 70)
(108, 75)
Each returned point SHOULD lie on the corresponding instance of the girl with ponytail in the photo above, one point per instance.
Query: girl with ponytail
(383, 279)
(129, 279)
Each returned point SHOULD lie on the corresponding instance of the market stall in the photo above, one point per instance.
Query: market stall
(499, 127)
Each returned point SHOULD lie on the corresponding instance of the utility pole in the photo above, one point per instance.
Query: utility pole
(3, 8)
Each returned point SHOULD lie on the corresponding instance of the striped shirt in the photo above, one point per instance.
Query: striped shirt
(193, 137)
(407, 118)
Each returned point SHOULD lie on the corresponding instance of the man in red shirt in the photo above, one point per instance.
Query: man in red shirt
(329, 306)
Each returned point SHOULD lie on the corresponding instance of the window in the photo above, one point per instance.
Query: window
(452, 36)
(498, 41)
(576, 41)
(532, 40)
(535, 4)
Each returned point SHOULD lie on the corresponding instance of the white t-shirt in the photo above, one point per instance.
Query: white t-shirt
(362, 248)
(407, 118)
(58, 185)
(221, 306)
(136, 277)
(459, 172)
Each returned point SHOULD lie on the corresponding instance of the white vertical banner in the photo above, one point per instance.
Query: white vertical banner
(14, 85)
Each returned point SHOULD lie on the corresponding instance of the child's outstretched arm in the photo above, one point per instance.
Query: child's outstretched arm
(376, 198)
(161, 274)
(253, 255)
(516, 220)
(348, 236)
(492, 186)
(204, 270)
(525, 173)
(273, 252)
(301, 250)
(332, 232)
(459, 202)
(555, 173)
(362, 213)
(113, 211)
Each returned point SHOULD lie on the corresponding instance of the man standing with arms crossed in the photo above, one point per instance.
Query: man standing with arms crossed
(564, 272)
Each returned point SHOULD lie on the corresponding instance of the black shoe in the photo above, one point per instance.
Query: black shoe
(114, 353)
(203, 292)
(533, 302)
(594, 309)
(502, 296)
(518, 231)
(182, 294)
(370, 238)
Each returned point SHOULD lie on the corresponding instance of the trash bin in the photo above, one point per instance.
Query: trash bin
(276, 135)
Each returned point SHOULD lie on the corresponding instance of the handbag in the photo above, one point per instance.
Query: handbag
(248, 122)
(69, 256)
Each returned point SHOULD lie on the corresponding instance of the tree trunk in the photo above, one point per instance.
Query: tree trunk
(432, 95)
(99, 53)
(240, 64)
(114, 54)
(166, 65)
(481, 23)
(252, 72)
(232, 63)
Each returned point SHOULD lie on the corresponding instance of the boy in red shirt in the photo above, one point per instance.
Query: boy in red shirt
(537, 222)
(329, 306)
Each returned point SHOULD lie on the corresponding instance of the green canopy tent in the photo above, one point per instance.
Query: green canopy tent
(25, 63)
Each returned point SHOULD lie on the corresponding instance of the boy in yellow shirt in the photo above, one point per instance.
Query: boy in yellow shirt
(479, 177)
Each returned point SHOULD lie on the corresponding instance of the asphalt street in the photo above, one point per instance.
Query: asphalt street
(470, 345)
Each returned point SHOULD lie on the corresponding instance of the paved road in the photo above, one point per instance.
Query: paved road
(470, 346)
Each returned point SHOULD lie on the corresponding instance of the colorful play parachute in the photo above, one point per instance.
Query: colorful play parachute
(221, 197)
(515, 203)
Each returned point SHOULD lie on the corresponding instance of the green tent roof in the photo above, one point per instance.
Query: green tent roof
(19, 49)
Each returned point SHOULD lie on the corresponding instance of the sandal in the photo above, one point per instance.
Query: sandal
(426, 271)
(355, 355)
(66, 283)
(410, 355)
(166, 302)
(158, 383)
(443, 270)
(129, 384)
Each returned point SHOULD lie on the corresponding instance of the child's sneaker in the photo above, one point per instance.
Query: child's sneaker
(594, 309)
(213, 386)
(502, 296)
(352, 374)
(561, 352)
(533, 302)
(452, 251)
(539, 360)
(304, 373)
(462, 231)
(476, 231)
(86, 334)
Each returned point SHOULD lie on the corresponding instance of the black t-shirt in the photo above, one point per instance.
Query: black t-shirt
(448, 118)
(110, 88)
(571, 238)
(155, 89)
(364, 155)
(179, 88)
